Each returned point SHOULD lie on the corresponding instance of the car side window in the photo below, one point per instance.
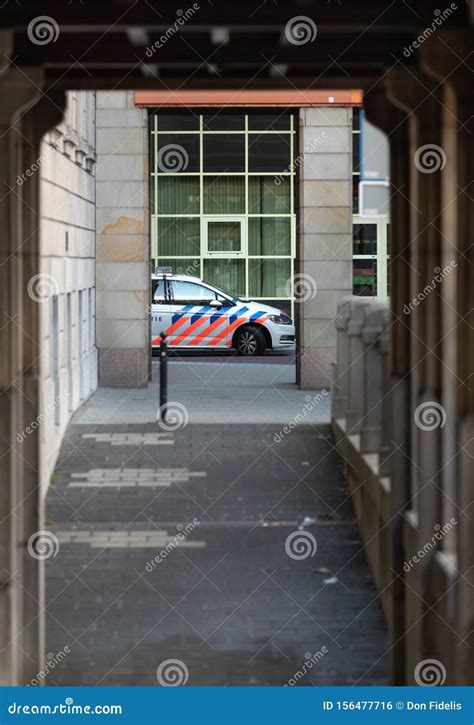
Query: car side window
(191, 293)
(159, 292)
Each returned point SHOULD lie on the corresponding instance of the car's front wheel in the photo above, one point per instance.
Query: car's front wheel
(250, 341)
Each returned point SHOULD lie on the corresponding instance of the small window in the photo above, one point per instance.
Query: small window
(191, 293)
(364, 239)
(158, 291)
(364, 277)
(224, 236)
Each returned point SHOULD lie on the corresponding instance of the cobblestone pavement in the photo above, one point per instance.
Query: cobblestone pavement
(185, 546)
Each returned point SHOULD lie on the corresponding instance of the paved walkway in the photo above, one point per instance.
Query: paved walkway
(224, 390)
(185, 545)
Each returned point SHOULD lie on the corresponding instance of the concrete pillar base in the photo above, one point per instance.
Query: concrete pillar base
(123, 367)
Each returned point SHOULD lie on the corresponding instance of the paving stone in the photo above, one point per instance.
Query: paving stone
(228, 600)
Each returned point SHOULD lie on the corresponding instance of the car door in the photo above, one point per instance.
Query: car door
(195, 321)
(160, 310)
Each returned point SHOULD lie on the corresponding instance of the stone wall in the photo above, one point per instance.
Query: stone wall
(65, 286)
(324, 236)
(122, 253)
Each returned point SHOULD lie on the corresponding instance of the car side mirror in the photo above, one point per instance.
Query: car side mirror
(215, 303)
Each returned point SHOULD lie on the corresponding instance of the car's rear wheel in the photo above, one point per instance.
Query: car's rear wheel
(250, 341)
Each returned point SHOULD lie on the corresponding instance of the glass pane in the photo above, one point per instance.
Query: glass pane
(269, 236)
(177, 153)
(178, 194)
(355, 194)
(356, 116)
(190, 293)
(269, 277)
(224, 236)
(179, 236)
(181, 266)
(224, 195)
(269, 153)
(178, 121)
(276, 121)
(226, 274)
(356, 151)
(364, 239)
(224, 153)
(268, 195)
(364, 277)
(376, 199)
(158, 291)
(224, 121)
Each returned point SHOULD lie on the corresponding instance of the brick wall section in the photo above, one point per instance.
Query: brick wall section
(122, 252)
(324, 238)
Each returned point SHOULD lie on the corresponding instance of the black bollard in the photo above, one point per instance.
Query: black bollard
(163, 377)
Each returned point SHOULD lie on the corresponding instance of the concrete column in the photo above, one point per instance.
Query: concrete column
(324, 247)
(373, 388)
(457, 346)
(122, 253)
(386, 442)
(419, 99)
(44, 115)
(383, 113)
(357, 363)
(18, 92)
(340, 391)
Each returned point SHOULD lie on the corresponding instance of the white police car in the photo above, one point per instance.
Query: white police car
(193, 314)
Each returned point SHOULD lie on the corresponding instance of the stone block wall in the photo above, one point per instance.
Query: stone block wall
(324, 237)
(122, 251)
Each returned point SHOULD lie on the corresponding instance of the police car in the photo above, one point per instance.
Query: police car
(194, 314)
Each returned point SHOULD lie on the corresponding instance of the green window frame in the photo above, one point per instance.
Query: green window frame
(267, 221)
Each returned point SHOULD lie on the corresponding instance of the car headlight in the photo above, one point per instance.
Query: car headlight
(281, 319)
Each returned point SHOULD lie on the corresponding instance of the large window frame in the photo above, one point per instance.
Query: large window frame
(198, 260)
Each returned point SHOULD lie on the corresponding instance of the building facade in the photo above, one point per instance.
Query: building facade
(65, 285)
